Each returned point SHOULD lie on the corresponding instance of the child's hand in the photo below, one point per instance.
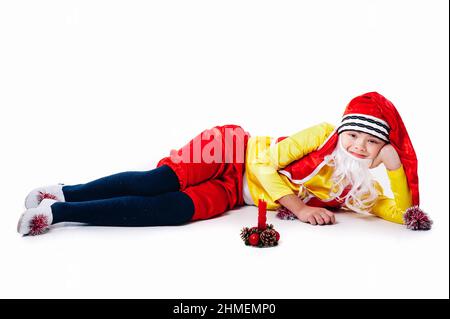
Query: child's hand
(389, 157)
(316, 216)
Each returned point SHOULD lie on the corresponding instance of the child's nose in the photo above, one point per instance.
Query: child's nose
(360, 145)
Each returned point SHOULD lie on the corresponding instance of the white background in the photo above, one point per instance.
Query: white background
(92, 88)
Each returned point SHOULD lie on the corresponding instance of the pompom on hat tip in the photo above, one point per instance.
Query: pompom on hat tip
(416, 219)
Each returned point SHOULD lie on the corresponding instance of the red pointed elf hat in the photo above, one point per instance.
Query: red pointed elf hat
(372, 113)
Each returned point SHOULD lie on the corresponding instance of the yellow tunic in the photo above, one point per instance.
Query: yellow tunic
(265, 158)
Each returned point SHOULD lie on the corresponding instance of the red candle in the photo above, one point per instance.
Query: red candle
(262, 206)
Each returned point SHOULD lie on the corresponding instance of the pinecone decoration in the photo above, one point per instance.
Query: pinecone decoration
(253, 236)
(269, 237)
(245, 232)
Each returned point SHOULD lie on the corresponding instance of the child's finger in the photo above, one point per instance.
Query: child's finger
(332, 217)
(377, 161)
(312, 220)
(325, 217)
(319, 219)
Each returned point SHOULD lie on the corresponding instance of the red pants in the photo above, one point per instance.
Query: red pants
(214, 186)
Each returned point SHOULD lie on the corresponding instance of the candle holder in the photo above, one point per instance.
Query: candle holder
(264, 235)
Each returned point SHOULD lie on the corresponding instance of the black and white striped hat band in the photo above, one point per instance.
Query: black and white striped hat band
(365, 123)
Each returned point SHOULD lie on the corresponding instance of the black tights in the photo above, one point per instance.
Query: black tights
(148, 198)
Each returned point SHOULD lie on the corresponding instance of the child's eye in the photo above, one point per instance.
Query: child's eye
(352, 135)
(373, 141)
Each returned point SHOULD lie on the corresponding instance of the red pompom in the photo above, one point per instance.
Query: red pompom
(284, 213)
(253, 239)
(417, 219)
(38, 225)
(43, 195)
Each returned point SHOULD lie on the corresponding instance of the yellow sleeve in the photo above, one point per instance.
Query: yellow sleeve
(263, 176)
(264, 166)
(393, 209)
(271, 182)
(299, 144)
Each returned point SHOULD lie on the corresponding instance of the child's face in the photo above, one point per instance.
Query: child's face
(361, 144)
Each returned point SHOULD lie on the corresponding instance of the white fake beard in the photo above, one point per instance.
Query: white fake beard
(354, 171)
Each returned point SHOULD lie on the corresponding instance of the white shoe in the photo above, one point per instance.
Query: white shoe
(35, 221)
(35, 197)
